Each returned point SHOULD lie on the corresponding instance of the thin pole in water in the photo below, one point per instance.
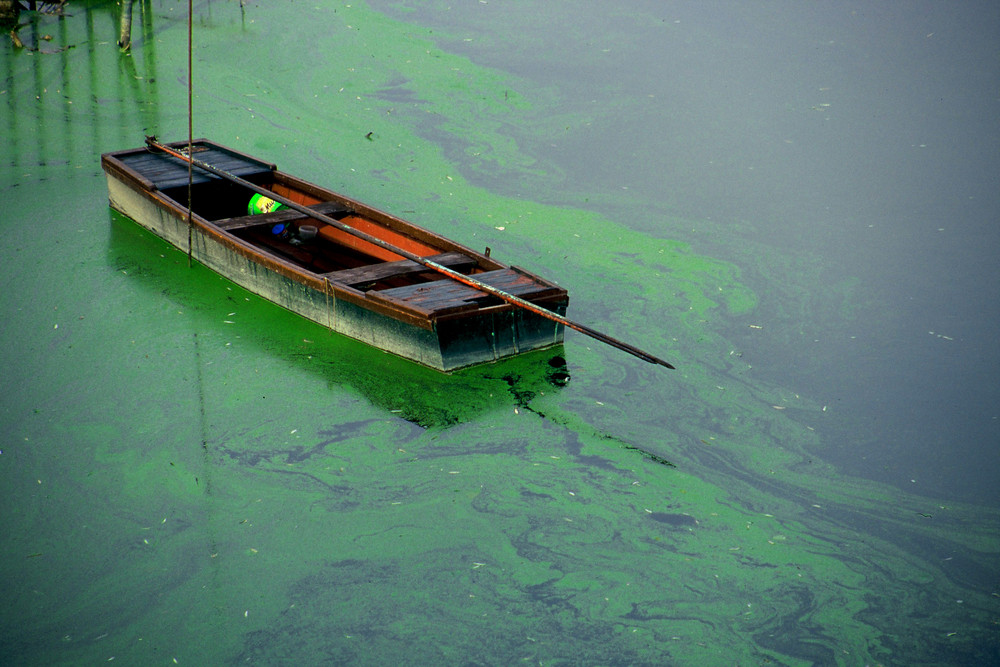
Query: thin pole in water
(190, 123)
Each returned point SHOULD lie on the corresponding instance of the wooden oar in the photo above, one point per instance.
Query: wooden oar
(454, 275)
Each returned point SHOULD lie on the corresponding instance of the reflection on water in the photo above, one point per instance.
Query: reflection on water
(69, 84)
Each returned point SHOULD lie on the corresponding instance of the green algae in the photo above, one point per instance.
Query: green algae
(246, 487)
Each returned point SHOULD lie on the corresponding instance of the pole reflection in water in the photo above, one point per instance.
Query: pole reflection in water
(61, 103)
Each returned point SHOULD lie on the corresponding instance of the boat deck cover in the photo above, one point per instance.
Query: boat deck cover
(167, 172)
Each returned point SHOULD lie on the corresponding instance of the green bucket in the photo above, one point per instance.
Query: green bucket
(261, 204)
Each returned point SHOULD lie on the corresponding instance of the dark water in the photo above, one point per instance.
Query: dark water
(846, 152)
(794, 203)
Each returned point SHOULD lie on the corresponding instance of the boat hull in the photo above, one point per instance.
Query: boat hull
(445, 343)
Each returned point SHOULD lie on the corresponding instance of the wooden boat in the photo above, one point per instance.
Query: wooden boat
(356, 287)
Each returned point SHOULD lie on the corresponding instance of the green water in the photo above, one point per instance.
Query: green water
(191, 475)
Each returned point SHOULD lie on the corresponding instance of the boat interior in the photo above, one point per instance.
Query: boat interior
(313, 245)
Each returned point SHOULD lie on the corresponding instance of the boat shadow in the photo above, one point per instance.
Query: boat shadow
(404, 389)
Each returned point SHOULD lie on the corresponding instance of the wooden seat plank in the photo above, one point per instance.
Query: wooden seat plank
(386, 270)
(448, 296)
(331, 208)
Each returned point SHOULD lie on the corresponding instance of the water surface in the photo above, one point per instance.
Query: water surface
(793, 204)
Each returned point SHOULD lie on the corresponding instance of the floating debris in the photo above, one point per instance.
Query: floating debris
(671, 519)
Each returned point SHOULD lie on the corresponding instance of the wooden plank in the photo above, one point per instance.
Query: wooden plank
(331, 208)
(448, 297)
(385, 270)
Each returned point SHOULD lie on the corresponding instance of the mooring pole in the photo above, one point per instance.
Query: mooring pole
(125, 25)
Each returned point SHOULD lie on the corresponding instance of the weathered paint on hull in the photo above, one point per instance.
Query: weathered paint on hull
(489, 336)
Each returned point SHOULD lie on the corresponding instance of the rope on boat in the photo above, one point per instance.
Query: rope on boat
(326, 293)
(454, 275)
